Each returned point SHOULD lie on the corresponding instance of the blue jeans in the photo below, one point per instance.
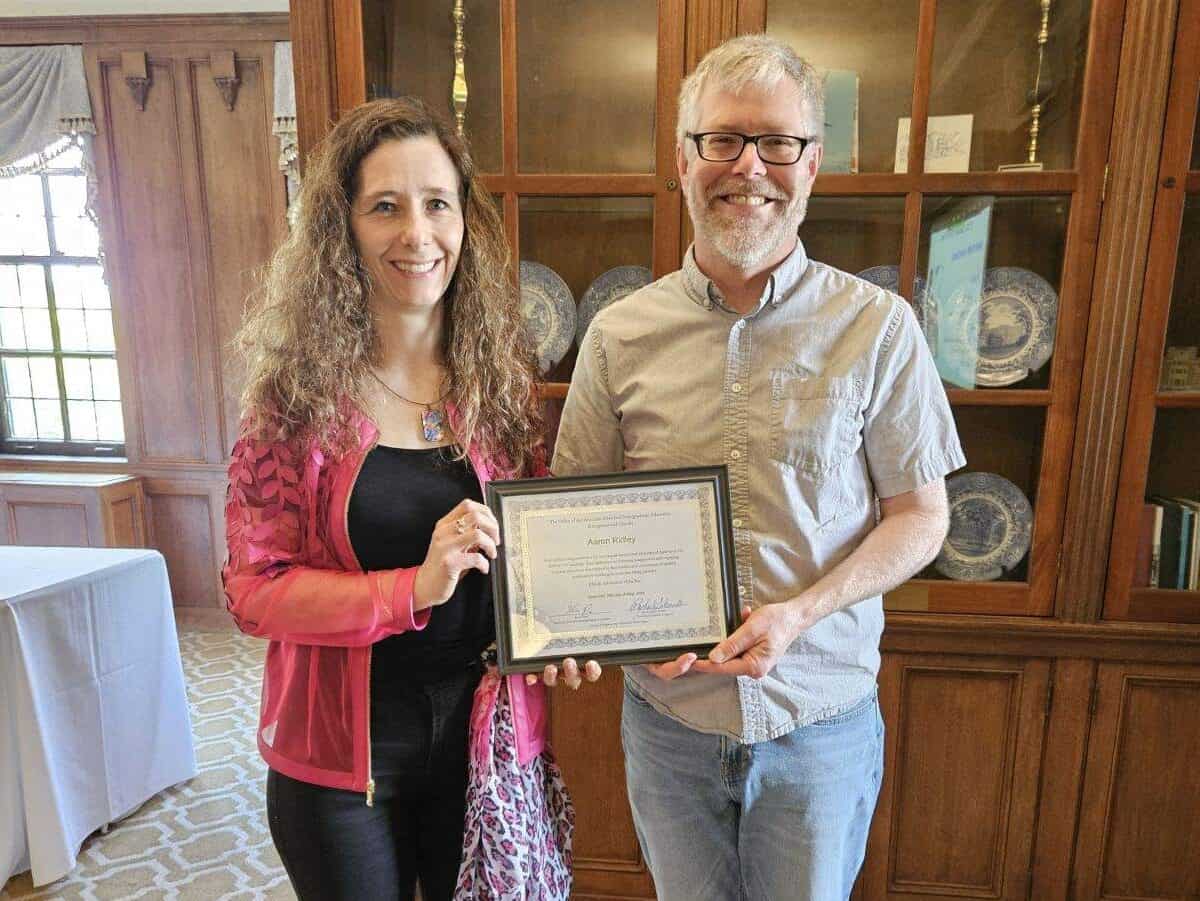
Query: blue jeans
(774, 821)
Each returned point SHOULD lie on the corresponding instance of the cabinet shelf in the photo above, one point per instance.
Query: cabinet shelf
(1015, 183)
(1164, 605)
(999, 397)
(938, 596)
(1188, 400)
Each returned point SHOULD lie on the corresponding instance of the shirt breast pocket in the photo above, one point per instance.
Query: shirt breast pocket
(816, 423)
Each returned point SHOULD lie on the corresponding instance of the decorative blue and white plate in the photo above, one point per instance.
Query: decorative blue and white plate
(1018, 314)
(888, 278)
(548, 308)
(991, 523)
(607, 288)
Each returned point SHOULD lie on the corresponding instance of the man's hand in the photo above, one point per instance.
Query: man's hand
(570, 672)
(672, 669)
(757, 644)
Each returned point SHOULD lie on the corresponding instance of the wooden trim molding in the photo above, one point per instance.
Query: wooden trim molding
(174, 29)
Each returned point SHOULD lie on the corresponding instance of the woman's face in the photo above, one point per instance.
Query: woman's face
(407, 221)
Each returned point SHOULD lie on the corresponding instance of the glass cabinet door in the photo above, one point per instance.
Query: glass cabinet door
(409, 49)
(1154, 571)
(1007, 84)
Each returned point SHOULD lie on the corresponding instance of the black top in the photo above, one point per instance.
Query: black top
(397, 500)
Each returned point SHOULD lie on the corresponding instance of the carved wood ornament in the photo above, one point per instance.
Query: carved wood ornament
(137, 76)
(224, 72)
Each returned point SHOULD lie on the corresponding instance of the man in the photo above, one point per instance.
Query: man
(754, 773)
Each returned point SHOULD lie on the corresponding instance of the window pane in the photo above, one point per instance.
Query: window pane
(77, 373)
(109, 426)
(37, 330)
(72, 334)
(104, 380)
(83, 420)
(99, 330)
(23, 221)
(68, 196)
(44, 376)
(68, 159)
(21, 421)
(76, 237)
(16, 378)
(68, 292)
(10, 293)
(79, 286)
(31, 279)
(49, 419)
(95, 291)
(12, 329)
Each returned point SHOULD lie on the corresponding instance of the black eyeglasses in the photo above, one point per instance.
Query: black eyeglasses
(727, 146)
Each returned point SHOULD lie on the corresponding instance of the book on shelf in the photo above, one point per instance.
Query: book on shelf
(1193, 574)
(1149, 547)
(1177, 527)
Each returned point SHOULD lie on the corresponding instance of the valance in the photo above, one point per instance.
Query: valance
(43, 105)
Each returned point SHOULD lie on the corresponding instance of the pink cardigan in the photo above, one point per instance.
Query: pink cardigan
(292, 577)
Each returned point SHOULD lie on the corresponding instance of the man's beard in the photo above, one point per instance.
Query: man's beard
(744, 243)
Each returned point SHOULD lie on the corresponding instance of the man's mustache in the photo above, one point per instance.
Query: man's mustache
(745, 186)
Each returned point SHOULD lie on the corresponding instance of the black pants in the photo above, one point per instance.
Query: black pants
(335, 847)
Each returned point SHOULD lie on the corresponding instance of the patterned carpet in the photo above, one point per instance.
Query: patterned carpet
(205, 839)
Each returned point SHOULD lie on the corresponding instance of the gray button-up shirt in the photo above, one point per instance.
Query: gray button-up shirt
(819, 401)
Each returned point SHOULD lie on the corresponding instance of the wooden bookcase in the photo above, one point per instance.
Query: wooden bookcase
(1016, 687)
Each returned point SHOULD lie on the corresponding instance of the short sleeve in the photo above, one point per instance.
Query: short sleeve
(589, 435)
(909, 432)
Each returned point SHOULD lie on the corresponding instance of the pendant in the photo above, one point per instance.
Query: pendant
(432, 422)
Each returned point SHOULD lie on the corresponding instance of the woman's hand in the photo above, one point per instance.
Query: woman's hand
(463, 539)
(570, 672)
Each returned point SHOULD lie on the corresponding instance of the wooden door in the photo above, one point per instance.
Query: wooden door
(963, 753)
(1139, 833)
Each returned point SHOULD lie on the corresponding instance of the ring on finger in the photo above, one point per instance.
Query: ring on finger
(460, 525)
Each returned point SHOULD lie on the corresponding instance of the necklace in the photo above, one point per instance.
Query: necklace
(433, 421)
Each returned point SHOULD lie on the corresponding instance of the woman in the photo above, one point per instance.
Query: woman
(384, 389)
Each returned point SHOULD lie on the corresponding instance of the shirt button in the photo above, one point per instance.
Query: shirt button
(735, 454)
(736, 387)
(737, 523)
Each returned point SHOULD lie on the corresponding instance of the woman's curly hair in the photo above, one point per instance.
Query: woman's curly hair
(309, 337)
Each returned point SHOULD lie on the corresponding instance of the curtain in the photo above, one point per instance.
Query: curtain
(44, 105)
(285, 122)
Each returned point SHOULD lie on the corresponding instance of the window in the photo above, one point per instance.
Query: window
(59, 392)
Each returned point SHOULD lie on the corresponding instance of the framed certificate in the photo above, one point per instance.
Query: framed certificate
(632, 567)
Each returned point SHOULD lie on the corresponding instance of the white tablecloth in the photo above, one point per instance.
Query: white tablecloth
(93, 714)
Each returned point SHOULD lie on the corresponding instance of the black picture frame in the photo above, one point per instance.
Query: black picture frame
(497, 493)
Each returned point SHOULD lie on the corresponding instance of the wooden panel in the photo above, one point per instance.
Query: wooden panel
(125, 519)
(181, 521)
(35, 523)
(957, 810)
(243, 212)
(154, 304)
(1139, 830)
(315, 71)
(586, 729)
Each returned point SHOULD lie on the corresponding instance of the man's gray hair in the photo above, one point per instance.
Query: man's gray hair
(751, 59)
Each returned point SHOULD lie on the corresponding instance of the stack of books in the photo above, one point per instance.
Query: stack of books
(1168, 554)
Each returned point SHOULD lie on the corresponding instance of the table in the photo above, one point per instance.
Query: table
(93, 713)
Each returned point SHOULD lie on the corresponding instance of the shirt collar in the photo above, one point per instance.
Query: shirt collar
(780, 286)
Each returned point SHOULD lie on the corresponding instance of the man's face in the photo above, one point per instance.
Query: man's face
(746, 211)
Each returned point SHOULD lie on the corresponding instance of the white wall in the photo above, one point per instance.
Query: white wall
(135, 7)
